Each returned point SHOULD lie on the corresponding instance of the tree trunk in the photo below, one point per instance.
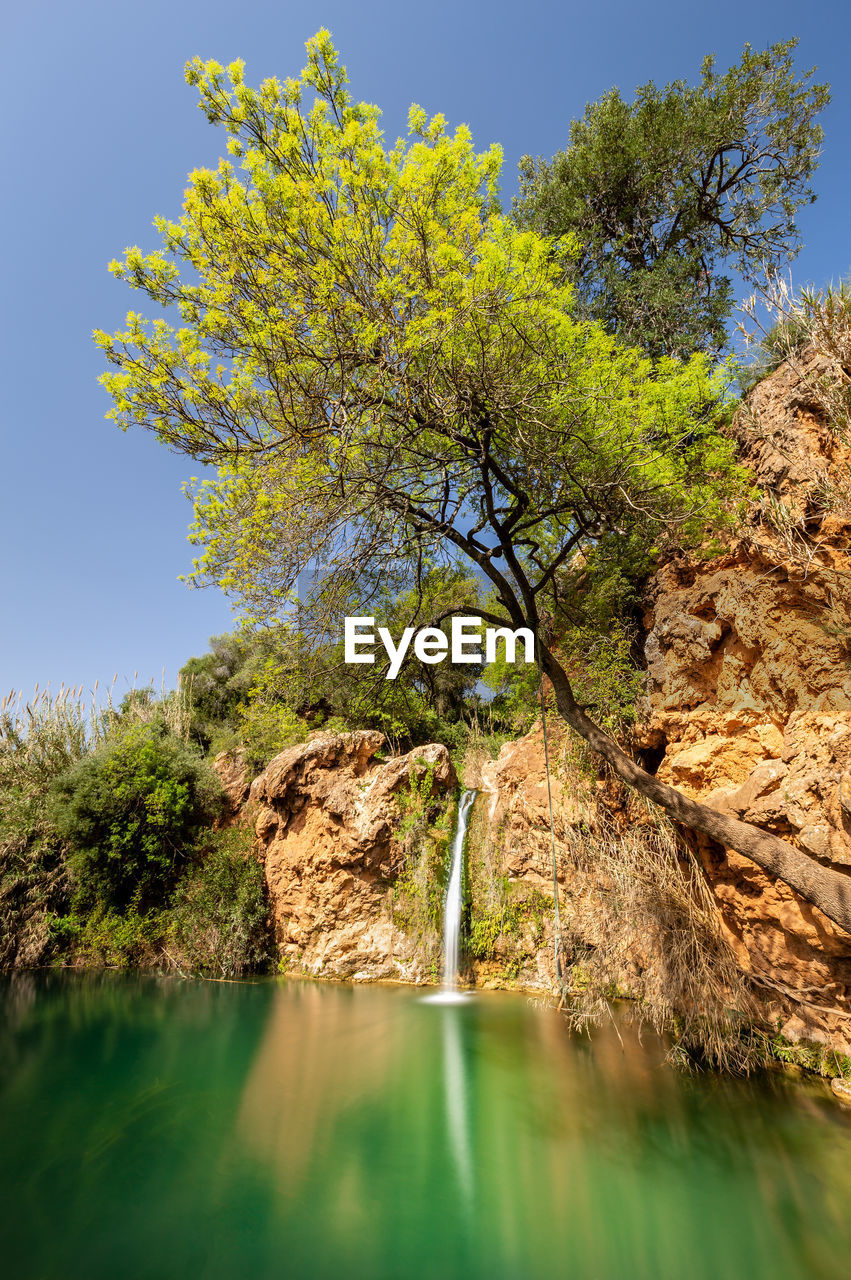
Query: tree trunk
(825, 888)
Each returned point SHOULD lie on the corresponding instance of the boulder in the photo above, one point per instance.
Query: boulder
(326, 819)
(233, 774)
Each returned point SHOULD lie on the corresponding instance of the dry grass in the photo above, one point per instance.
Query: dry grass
(40, 723)
(482, 747)
(470, 772)
(39, 739)
(640, 921)
(811, 330)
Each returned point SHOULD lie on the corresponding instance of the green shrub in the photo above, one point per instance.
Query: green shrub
(811, 1057)
(489, 925)
(216, 921)
(101, 935)
(130, 810)
(217, 682)
(266, 727)
(425, 826)
(219, 918)
(39, 740)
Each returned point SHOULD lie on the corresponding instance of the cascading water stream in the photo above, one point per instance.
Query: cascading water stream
(457, 1111)
(452, 910)
(449, 993)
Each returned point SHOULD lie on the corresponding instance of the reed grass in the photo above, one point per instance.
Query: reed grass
(641, 922)
(41, 738)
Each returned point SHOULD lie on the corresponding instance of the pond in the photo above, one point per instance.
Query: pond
(283, 1128)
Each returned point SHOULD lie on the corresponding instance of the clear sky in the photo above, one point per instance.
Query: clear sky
(100, 131)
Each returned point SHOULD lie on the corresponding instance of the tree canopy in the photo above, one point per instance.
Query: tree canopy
(389, 376)
(260, 688)
(374, 357)
(662, 195)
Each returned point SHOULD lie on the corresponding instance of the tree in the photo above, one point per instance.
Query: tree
(388, 376)
(219, 681)
(132, 810)
(660, 195)
(265, 687)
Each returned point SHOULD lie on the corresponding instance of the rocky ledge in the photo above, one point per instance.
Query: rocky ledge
(326, 818)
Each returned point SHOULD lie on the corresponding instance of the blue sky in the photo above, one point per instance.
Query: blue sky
(100, 132)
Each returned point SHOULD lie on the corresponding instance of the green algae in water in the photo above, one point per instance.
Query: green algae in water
(157, 1128)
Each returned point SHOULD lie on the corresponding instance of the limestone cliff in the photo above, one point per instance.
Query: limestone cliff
(326, 817)
(509, 845)
(748, 702)
(747, 707)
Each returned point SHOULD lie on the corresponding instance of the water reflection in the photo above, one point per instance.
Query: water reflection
(484, 1131)
(294, 1128)
(457, 1112)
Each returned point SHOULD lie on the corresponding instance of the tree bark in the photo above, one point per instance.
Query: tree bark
(825, 888)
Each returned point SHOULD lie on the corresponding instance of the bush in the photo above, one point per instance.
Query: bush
(215, 922)
(219, 681)
(118, 939)
(130, 810)
(266, 728)
(219, 920)
(39, 740)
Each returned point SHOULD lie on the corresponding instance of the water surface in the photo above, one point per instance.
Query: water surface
(159, 1128)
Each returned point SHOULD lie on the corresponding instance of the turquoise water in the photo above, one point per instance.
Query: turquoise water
(159, 1128)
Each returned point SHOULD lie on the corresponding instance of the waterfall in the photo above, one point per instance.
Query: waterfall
(449, 993)
(452, 910)
(457, 1108)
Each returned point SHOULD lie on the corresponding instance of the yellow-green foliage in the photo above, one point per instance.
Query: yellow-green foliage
(512, 926)
(490, 924)
(265, 727)
(350, 312)
(104, 937)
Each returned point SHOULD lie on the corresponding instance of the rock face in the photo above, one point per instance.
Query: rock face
(510, 834)
(326, 818)
(747, 708)
(749, 698)
(232, 771)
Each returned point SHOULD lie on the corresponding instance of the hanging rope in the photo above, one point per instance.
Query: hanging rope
(557, 935)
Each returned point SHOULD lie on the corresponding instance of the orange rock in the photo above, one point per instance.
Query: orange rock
(326, 823)
(749, 690)
(235, 779)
